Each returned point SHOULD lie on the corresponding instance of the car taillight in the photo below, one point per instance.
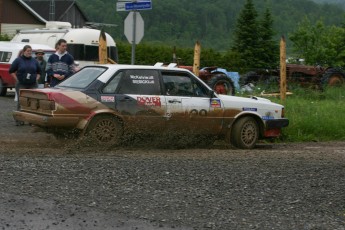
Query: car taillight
(283, 112)
(47, 105)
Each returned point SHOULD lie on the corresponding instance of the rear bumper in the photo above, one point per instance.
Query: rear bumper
(46, 121)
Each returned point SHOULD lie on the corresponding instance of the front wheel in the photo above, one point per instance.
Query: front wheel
(245, 133)
(104, 130)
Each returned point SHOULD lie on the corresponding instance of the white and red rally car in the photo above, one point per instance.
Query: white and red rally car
(105, 102)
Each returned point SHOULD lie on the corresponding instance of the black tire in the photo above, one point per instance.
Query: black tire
(104, 131)
(332, 78)
(245, 133)
(251, 77)
(3, 89)
(224, 82)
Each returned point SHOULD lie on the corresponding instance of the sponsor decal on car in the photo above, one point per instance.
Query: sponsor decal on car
(137, 79)
(215, 103)
(149, 101)
(107, 99)
(268, 116)
(249, 109)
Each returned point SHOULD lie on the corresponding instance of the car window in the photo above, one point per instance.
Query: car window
(182, 84)
(112, 85)
(83, 77)
(145, 82)
(5, 56)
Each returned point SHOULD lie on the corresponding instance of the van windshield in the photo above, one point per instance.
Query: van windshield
(83, 52)
(83, 78)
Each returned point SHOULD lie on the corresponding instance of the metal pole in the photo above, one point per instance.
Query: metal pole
(134, 32)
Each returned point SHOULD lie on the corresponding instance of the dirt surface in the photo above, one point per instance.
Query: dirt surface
(50, 184)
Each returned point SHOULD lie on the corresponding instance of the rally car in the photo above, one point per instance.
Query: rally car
(106, 102)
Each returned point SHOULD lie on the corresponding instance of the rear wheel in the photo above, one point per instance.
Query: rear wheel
(333, 79)
(3, 89)
(245, 133)
(221, 84)
(104, 130)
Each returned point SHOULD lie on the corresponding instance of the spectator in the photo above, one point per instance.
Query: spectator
(43, 63)
(26, 71)
(60, 65)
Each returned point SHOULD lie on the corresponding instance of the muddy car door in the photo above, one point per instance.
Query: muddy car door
(189, 105)
(136, 95)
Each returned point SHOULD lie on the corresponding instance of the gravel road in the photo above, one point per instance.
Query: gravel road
(47, 184)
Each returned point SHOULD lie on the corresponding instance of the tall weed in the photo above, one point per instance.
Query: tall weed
(314, 115)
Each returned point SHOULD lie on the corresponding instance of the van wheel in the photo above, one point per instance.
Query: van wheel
(104, 130)
(245, 133)
(3, 89)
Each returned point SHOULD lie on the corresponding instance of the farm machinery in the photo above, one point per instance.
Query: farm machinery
(303, 75)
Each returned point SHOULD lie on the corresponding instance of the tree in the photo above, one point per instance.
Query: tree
(269, 50)
(319, 44)
(246, 42)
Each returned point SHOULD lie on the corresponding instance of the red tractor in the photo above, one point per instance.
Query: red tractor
(303, 75)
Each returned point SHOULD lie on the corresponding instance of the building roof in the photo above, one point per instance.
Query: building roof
(33, 12)
(42, 7)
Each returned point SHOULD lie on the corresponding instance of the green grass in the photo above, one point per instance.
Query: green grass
(314, 115)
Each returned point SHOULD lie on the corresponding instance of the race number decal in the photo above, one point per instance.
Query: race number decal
(195, 112)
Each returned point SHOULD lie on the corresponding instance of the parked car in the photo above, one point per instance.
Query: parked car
(9, 51)
(102, 103)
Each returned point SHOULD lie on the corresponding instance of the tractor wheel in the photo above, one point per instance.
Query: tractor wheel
(3, 89)
(221, 84)
(333, 79)
(103, 131)
(245, 133)
(251, 77)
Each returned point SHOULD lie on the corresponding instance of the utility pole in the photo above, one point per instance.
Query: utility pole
(52, 10)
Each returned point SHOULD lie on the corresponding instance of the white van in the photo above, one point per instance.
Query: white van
(82, 42)
(9, 51)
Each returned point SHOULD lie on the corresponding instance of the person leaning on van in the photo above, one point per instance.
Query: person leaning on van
(26, 71)
(60, 65)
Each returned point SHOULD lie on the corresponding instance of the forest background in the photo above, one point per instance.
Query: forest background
(214, 23)
(314, 31)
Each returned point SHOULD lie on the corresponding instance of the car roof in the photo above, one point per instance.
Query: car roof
(154, 67)
(112, 68)
(8, 45)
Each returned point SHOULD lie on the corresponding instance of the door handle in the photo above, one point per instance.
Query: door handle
(126, 99)
(174, 101)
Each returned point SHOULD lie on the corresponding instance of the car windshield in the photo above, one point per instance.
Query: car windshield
(83, 77)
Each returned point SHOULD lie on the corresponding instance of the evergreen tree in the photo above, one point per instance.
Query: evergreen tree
(269, 49)
(246, 41)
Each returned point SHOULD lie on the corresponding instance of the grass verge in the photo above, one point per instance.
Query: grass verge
(314, 115)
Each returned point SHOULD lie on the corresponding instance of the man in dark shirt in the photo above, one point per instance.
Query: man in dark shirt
(60, 65)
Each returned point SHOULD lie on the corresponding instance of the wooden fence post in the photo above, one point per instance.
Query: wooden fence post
(282, 68)
(196, 64)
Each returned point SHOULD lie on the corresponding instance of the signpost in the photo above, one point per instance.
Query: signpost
(134, 23)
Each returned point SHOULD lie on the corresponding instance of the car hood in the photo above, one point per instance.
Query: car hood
(244, 103)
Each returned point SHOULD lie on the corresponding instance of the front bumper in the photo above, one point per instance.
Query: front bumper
(276, 123)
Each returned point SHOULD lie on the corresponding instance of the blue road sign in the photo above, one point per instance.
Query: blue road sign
(142, 5)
